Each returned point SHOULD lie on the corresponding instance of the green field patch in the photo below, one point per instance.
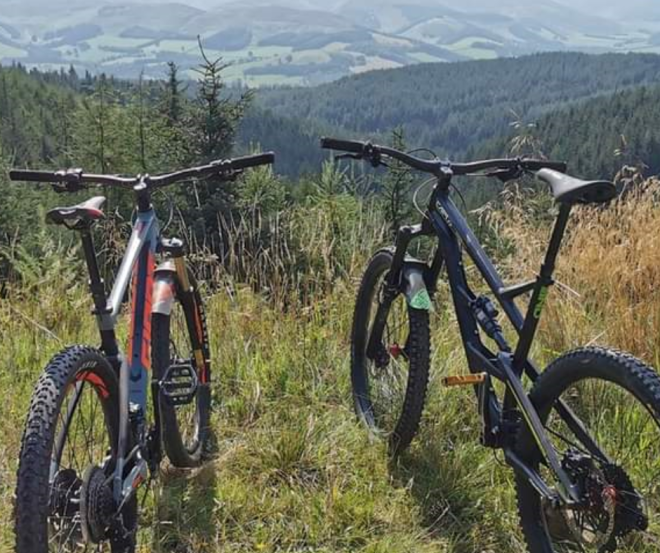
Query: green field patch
(391, 40)
(311, 56)
(423, 57)
(267, 51)
(256, 55)
(591, 40)
(647, 50)
(373, 63)
(548, 34)
(10, 52)
(469, 42)
(434, 27)
(235, 74)
(116, 41)
(125, 60)
(273, 80)
(336, 47)
(479, 53)
(178, 46)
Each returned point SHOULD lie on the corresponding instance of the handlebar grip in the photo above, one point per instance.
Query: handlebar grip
(34, 176)
(351, 146)
(267, 158)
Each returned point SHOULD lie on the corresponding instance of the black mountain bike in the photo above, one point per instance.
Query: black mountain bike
(90, 440)
(584, 442)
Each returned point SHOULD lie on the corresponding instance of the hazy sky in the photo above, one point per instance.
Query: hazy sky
(639, 10)
(599, 7)
(489, 4)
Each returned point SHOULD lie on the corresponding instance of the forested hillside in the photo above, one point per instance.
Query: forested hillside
(452, 107)
(35, 113)
(584, 109)
(596, 136)
(296, 140)
(56, 120)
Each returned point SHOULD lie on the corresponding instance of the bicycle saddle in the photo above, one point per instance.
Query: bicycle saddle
(568, 189)
(85, 212)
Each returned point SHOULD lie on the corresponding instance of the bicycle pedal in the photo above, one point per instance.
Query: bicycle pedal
(179, 385)
(464, 380)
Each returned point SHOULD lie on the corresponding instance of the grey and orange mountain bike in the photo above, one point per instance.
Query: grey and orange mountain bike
(99, 418)
(583, 441)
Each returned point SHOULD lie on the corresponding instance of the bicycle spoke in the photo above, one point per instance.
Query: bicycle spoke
(82, 439)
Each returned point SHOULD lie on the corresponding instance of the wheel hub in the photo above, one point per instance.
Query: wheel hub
(65, 494)
(382, 357)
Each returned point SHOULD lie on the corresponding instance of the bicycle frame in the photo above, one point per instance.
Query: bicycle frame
(137, 268)
(508, 365)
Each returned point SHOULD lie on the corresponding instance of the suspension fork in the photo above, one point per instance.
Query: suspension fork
(392, 285)
(186, 292)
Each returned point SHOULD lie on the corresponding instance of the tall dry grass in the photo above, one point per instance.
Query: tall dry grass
(608, 272)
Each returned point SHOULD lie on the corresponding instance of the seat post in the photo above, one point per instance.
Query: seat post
(540, 291)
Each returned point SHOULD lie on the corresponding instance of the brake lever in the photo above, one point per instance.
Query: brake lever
(371, 155)
(70, 181)
(230, 175)
(506, 175)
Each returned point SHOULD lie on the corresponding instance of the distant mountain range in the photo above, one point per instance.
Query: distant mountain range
(308, 41)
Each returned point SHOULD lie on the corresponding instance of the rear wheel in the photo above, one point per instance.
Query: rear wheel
(63, 500)
(185, 426)
(389, 387)
(617, 398)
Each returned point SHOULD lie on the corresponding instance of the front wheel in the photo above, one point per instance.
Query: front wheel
(617, 399)
(63, 499)
(389, 384)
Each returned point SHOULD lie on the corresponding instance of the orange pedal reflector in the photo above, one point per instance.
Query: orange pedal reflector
(465, 380)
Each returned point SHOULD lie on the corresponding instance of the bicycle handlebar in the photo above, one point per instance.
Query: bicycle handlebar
(75, 179)
(373, 153)
(220, 167)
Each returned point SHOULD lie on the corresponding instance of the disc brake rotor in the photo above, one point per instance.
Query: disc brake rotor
(65, 494)
(611, 508)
